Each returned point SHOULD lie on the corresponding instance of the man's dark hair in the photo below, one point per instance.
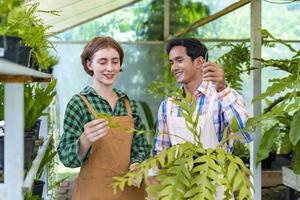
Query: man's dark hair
(194, 47)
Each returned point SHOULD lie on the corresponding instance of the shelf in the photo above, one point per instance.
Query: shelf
(15, 73)
(35, 166)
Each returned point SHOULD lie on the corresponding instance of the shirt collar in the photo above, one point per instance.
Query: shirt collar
(90, 90)
(206, 88)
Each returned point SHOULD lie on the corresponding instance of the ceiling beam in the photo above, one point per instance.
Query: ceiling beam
(76, 12)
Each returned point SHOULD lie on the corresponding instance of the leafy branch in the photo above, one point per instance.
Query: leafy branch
(188, 171)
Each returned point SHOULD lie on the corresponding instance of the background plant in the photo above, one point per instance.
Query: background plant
(235, 62)
(150, 126)
(37, 99)
(283, 109)
(22, 21)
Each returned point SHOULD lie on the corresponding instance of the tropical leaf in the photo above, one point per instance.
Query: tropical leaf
(295, 129)
(296, 159)
(266, 144)
(277, 87)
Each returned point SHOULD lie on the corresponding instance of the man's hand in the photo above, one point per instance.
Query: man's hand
(133, 167)
(213, 72)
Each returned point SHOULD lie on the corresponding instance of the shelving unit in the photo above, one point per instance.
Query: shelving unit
(14, 76)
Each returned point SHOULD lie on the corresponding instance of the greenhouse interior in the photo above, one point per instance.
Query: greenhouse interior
(91, 86)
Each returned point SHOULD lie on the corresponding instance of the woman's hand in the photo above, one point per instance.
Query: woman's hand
(93, 131)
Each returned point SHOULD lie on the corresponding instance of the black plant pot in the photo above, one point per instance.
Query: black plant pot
(1, 152)
(49, 70)
(29, 139)
(36, 129)
(37, 188)
(28, 149)
(267, 163)
(9, 48)
(246, 161)
(33, 64)
(24, 56)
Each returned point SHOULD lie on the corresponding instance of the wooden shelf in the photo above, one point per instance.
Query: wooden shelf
(14, 73)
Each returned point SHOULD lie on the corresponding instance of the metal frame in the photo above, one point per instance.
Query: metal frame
(256, 82)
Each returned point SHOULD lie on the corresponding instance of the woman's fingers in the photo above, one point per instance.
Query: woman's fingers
(95, 129)
(94, 123)
(98, 126)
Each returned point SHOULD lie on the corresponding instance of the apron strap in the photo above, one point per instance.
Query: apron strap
(127, 105)
(93, 112)
(91, 109)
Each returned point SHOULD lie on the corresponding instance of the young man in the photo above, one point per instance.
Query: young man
(217, 103)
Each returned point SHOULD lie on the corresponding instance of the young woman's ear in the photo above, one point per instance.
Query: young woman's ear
(88, 65)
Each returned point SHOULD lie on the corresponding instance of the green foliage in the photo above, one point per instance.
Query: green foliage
(164, 85)
(296, 159)
(48, 158)
(267, 143)
(295, 128)
(30, 196)
(241, 150)
(23, 21)
(188, 171)
(235, 63)
(284, 109)
(37, 99)
(149, 24)
(113, 124)
(7, 5)
(151, 125)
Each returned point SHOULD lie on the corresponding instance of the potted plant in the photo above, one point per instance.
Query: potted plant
(23, 22)
(37, 99)
(9, 44)
(38, 185)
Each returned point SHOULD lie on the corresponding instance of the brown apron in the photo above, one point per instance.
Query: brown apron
(110, 156)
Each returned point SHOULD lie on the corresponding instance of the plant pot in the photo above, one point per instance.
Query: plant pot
(49, 70)
(9, 48)
(246, 161)
(38, 186)
(24, 56)
(36, 129)
(28, 150)
(1, 152)
(29, 139)
(33, 64)
(267, 163)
